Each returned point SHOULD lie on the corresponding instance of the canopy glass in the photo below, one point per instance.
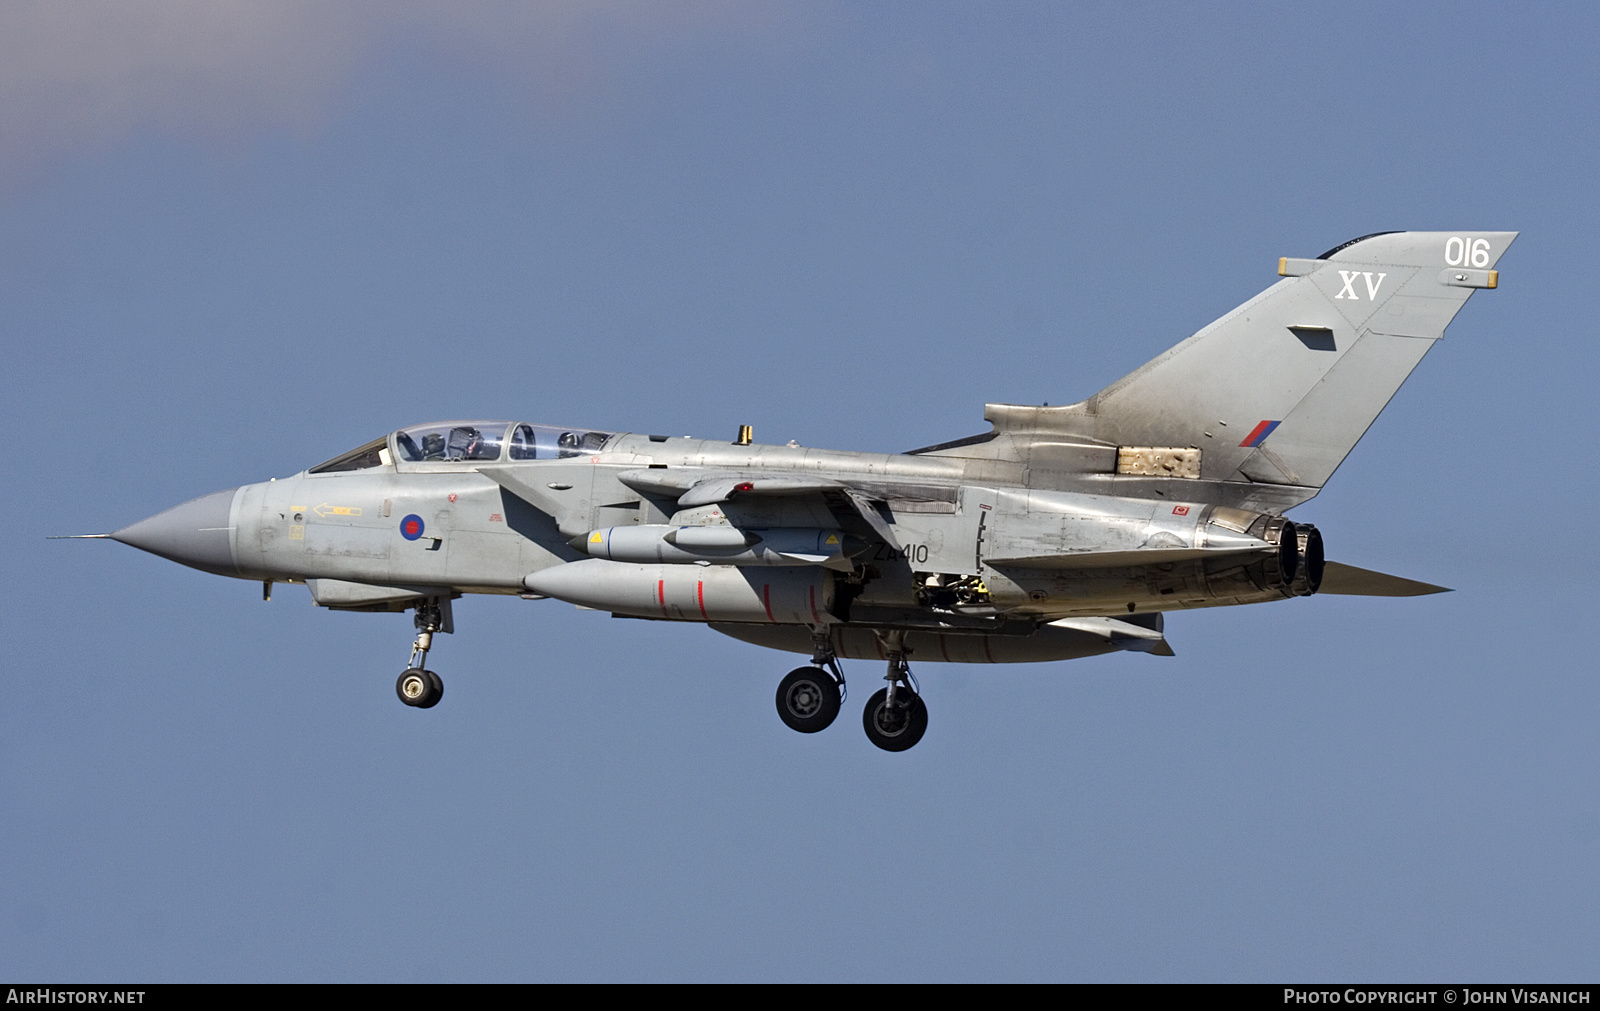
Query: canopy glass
(469, 441)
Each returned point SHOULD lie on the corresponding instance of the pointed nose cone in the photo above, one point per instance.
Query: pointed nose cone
(197, 533)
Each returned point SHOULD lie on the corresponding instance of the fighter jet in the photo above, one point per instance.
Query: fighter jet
(1060, 532)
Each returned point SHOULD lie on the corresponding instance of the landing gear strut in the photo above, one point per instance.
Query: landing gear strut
(809, 697)
(896, 717)
(416, 686)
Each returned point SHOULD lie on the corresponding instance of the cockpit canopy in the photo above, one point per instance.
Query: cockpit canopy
(452, 440)
(468, 441)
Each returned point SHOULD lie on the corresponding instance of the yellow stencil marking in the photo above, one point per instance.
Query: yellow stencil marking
(332, 510)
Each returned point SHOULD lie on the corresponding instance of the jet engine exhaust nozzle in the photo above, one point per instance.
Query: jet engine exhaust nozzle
(1308, 560)
(1277, 571)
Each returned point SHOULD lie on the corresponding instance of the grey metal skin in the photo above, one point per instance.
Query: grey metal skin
(1061, 532)
(198, 533)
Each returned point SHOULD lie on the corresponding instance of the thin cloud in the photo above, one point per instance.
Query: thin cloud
(80, 75)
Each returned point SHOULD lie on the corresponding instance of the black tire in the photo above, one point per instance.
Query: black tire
(808, 699)
(437, 684)
(419, 688)
(900, 729)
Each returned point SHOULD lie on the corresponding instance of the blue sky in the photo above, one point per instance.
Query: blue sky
(236, 240)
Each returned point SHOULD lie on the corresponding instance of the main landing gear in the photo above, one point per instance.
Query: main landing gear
(416, 686)
(809, 697)
(895, 717)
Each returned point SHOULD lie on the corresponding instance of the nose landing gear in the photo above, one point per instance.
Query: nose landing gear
(417, 686)
(420, 688)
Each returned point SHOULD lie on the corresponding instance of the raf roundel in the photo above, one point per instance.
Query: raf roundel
(411, 527)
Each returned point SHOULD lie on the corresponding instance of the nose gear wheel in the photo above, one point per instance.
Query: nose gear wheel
(420, 688)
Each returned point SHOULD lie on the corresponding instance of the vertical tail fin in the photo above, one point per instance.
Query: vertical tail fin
(1279, 390)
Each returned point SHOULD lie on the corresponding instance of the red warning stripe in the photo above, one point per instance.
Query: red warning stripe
(766, 601)
(700, 597)
(661, 595)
